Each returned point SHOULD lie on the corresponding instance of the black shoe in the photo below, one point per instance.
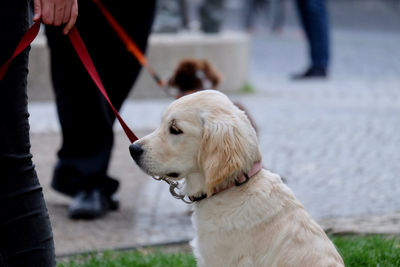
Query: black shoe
(70, 182)
(91, 204)
(312, 72)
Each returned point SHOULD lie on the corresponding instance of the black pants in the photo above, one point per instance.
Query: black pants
(314, 18)
(86, 120)
(25, 232)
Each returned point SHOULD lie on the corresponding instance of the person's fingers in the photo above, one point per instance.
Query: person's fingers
(73, 17)
(59, 9)
(37, 10)
(67, 12)
(48, 13)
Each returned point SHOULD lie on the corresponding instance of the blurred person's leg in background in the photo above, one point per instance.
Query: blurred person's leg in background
(250, 13)
(170, 16)
(86, 119)
(274, 9)
(314, 19)
(26, 237)
(211, 15)
(277, 15)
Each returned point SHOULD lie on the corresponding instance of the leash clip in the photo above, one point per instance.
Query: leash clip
(173, 186)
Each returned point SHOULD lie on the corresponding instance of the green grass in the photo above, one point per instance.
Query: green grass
(247, 88)
(136, 258)
(357, 251)
(369, 250)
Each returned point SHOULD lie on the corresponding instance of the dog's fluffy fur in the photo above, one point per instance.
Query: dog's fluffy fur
(206, 140)
(194, 75)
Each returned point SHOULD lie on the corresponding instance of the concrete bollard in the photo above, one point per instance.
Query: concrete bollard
(228, 51)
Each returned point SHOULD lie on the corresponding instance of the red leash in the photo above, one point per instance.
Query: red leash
(26, 40)
(84, 56)
(129, 43)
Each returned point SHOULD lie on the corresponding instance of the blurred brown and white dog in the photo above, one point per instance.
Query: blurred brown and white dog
(193, 75)
(243, 215)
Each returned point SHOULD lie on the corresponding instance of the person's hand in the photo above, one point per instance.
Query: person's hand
(56, 12)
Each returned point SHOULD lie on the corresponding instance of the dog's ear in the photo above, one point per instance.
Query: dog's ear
(211, 73)
(184, 77)
(172, 80)
(222, 152)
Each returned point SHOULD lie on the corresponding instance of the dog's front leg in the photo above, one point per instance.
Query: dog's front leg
(199, 259)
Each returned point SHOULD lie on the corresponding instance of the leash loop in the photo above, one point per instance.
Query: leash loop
(26, 40)
(83, 55)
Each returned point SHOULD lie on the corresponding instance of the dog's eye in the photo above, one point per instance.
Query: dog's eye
(174, 130)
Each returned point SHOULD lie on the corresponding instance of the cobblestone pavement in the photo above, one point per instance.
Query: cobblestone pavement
(335, 142)
(148, 214)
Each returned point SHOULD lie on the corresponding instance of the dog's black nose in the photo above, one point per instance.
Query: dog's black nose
(136, 151)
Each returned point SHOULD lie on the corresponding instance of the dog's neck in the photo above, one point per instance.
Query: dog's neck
(195, 187)
(195, 184)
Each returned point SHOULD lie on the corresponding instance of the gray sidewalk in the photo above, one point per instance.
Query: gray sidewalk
(338, 155)
(336, 142)
(148, 214)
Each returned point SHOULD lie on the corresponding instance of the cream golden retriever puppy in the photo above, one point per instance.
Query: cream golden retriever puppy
(243, 215)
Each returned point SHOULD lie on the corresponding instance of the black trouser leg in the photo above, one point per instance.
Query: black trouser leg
(86, 120)
(25, 232)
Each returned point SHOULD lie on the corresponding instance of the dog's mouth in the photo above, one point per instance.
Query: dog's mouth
(173, 175)
(159, 176)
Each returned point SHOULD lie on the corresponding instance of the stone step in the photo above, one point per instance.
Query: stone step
(228, 51)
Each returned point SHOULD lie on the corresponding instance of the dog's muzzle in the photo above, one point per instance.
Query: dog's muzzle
(136, 151)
